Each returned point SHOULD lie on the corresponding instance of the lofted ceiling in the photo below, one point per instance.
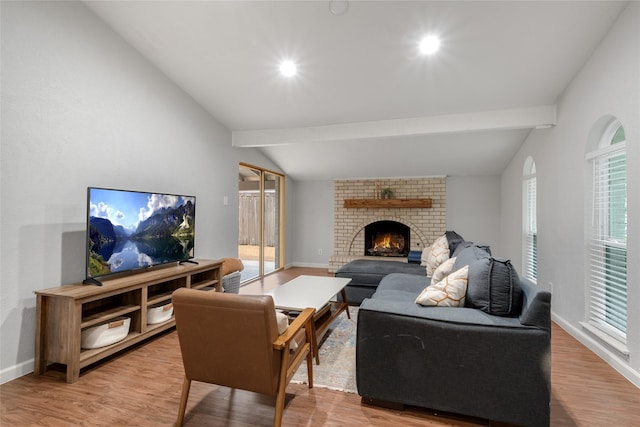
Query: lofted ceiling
(365, 103)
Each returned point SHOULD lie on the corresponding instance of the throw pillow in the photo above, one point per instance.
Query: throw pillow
(283, 324)
(449, 292)
(454, 240)
(443, 270)
(494, 287)
(425, 256)
(464, 245)
(438, 254)
(469, 255)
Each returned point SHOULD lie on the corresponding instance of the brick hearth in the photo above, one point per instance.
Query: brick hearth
(426, 224)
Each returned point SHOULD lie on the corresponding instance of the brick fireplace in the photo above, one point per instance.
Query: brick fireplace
(364, 207)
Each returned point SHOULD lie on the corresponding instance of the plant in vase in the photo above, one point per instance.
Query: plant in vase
(386, 193)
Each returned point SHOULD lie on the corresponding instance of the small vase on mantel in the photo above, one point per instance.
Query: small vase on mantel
(386, 193)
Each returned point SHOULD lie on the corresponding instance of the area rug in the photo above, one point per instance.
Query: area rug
(337, 368)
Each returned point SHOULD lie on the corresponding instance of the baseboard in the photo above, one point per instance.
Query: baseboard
(610, 357)
(16, 371)
(306, 264)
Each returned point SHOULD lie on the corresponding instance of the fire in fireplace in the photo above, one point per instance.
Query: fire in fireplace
(386, 238)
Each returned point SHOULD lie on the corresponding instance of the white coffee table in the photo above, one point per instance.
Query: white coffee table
(317, 292)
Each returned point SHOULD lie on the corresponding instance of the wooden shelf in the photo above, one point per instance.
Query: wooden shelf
(205, 284)
(387, 203)
(107, 314)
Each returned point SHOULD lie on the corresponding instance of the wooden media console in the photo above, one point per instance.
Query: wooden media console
(63, 312)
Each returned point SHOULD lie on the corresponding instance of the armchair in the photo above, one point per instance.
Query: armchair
(232, 340)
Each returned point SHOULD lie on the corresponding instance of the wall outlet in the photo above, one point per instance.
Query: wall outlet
(320, 251)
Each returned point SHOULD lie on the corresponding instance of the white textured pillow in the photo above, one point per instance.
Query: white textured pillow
(438, 254)
(283, 324)
(443, 270)
(425, 256)
(449, 292)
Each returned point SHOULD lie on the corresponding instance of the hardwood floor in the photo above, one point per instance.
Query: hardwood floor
(141, 387)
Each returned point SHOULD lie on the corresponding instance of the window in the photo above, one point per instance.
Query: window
(607, 238)
(530, 228)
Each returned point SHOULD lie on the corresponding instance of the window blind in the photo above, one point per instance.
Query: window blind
(531, 230)
(608, 243)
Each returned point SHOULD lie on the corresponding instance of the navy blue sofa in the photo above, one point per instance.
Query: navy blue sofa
(456, 359)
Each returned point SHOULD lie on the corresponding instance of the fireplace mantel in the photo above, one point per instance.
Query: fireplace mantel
(387, 203)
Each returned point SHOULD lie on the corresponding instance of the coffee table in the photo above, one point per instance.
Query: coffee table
(316, 292)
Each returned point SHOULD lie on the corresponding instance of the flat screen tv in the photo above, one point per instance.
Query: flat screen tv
(131, 230)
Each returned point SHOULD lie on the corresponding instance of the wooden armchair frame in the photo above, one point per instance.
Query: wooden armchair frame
(194, 308)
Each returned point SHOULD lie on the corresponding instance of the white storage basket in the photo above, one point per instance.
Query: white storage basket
(106, 333)
(159, 314)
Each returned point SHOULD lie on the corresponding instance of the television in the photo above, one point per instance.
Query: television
(132, 230)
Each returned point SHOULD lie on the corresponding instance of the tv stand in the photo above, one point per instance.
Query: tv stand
(64, 311)
(91, 281)
(188, 261)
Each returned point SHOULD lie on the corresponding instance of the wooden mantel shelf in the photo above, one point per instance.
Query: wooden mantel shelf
(387, 203)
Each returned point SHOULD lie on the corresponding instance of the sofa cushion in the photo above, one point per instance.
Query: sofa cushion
(449, 292)
(453, 239)
(438, 254)
(406, 283)
(462, 246)
(494, 287)
(443, 270)
(369, 272)
(467, 254)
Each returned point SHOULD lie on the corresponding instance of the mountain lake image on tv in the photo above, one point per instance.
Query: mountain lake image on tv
(128, 230)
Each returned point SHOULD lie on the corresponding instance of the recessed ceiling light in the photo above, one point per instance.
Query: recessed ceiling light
(339, 7)
(288, 68)
(429, 44)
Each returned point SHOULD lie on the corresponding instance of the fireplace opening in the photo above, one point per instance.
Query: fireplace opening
(386, 238)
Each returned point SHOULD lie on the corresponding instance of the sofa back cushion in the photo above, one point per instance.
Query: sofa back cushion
(494, 287)
(453, 239)
(467, 253)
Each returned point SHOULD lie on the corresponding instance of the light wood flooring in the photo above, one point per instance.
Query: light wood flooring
(141, 387)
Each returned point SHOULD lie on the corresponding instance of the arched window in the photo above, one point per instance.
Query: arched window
(530, 222)
(607, 234)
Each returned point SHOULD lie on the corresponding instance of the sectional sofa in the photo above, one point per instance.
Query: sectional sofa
(489, 357)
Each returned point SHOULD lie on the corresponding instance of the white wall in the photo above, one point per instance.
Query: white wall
(81, 108)
(473, 210)
(312, 205)
(608, 85)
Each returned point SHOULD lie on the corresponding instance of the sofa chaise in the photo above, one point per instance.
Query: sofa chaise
(366, 275)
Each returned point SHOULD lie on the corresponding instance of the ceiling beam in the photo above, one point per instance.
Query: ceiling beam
(517, 118)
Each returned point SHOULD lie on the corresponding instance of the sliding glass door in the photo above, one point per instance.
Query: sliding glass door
(261, 223)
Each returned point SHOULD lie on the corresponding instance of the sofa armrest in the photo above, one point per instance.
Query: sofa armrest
(536, 306)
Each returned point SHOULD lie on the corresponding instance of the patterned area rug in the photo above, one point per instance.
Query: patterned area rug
(337, 368)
